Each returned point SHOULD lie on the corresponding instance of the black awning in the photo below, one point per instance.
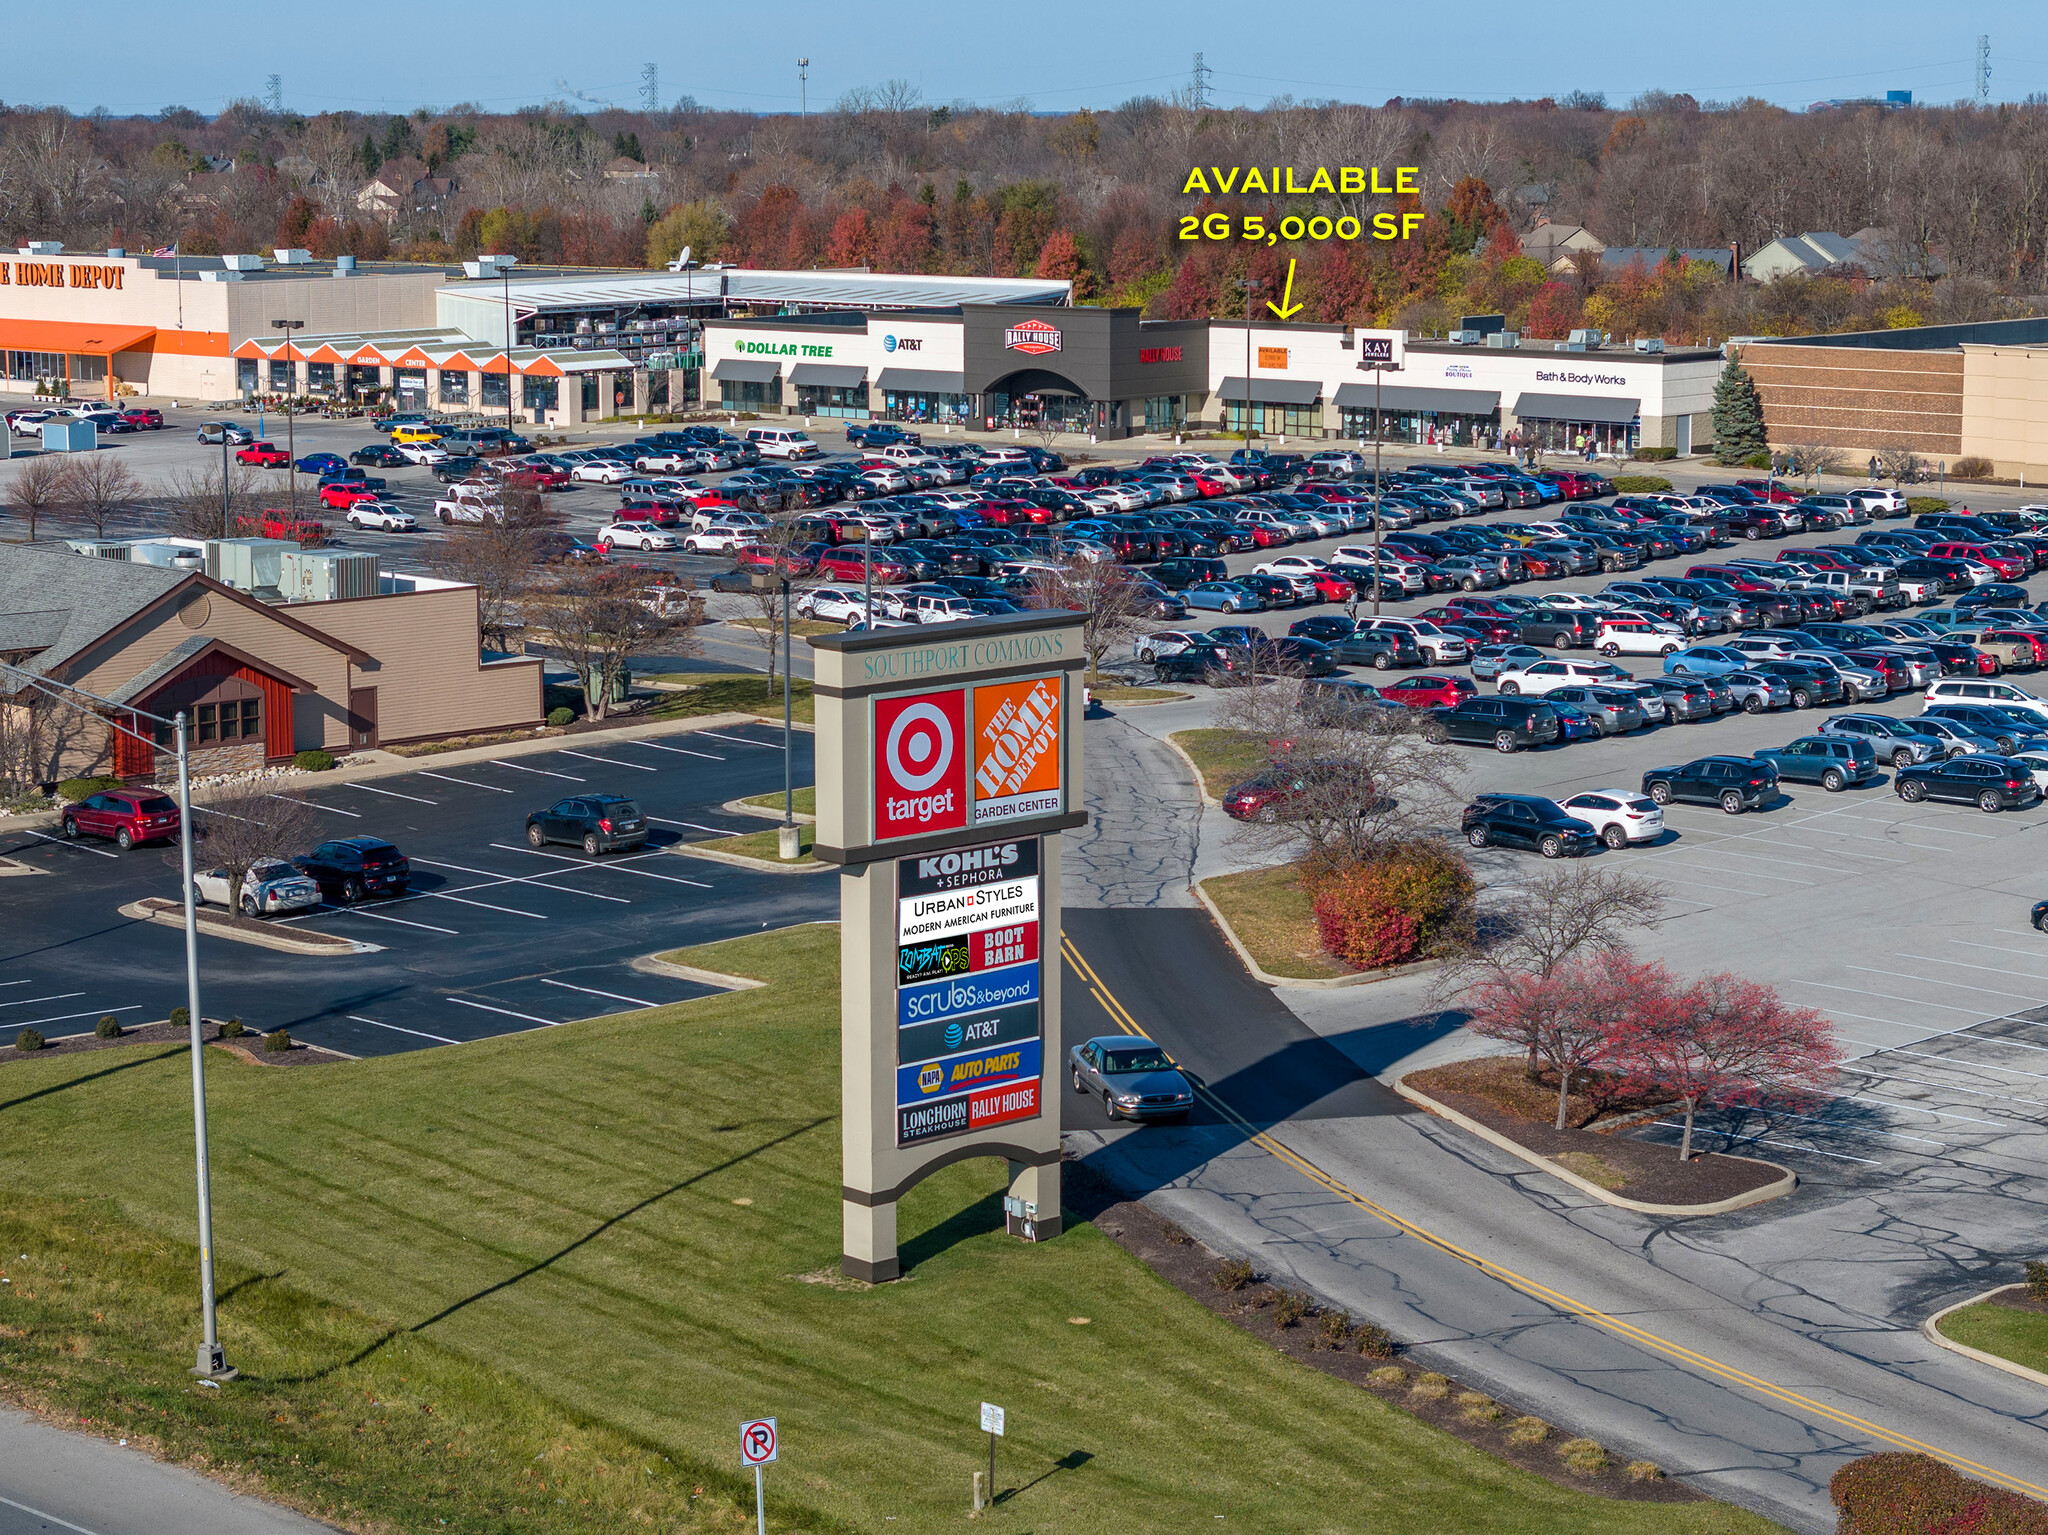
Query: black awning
(921, 381)
(737, 370)
(1411, 397)
(1604, 408)
(827, 375)
(1273, 391)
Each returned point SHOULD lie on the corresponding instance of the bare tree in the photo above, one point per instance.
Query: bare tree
(1112, 597)
(197, 507)
(239, 831)
(1899, 463)
(600, 618)
(33, 492)
(502, 557)
(92, 487)
(1814, 459)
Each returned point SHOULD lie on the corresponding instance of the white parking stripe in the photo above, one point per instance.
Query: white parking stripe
(1966, 965)
(1849, 1129)
(17, 983)
(368, 788)
(1758, 1140)
(719, 831)
(353, 815)
(611, 762)
(439, 1039)
(377, 916)
(1704, 885)
(442, 895)
(92, 1012)
(679, 750)
(1901, 1103)
(1947, 1007)
(1786, 879)
(1907, 975)
(742, 740)
(592, 991)
(487, 1008)
(55, 996)
(1998, 948)
(69, 842)
(1949, 1060)
(543, 772)
(466, 783)
(2004, 1095)
(619, 864)
(513, 879)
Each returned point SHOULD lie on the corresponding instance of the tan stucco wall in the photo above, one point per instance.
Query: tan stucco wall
(2005, 409)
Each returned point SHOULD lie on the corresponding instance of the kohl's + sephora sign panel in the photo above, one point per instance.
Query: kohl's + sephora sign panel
(969, 1025)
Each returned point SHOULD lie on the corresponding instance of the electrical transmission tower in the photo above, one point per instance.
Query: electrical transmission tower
(650, 88)
(1984, 67)
(274, 90)
(1199, 85)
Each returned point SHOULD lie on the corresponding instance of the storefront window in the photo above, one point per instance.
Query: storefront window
(364, 378)
(935, 408)
(736, 394)
(1602, 437)
(1274, 420)
(454, 387)
(320, 378)
(1166, 412)
(245, 375)
(411, 382)
(494, 390)
(1422, 428)
(282, 380)
(823, 400)
(88, 369)
(540, 393)
(35, 367)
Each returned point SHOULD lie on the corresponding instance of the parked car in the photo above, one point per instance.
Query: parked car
(1735, 784)
(385, 516)
(1832, 761)
(263, 455)
(1619, 817)
(1431, 690)
(1223, 597)
(600, 823)
(270, 886)
(218, 432)
(634, 535)
(1201, 663)
(1265, 798)
(307, 463)
(1892, 740)
(1133, 1077)
(1526, 821)
(129, 816)
(1991, 783)
(350, 869)
(1506, 724)
(380, 455)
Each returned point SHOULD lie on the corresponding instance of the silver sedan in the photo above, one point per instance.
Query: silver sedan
(269, 888)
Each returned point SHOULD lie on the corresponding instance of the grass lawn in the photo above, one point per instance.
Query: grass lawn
(1271, 916)
(1221, 757)
(2007, 1331)
(533, 1284)
(730, 693)
(764, 844)
(805, 801)
(803, 627)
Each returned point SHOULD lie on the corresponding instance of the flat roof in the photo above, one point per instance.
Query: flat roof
(749, 285)
(1557, 349)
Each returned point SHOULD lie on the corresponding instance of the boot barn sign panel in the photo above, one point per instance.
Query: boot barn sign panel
(948, 767)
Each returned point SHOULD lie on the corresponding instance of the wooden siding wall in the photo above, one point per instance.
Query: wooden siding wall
(1859, 398)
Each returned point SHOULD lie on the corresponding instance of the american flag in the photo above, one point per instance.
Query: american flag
(165, 250)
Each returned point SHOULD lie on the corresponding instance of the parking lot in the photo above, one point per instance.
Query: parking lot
(493, 937)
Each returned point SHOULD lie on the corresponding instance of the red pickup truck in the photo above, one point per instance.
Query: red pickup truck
(266, 455)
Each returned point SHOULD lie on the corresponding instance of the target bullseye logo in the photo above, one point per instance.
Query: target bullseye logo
(920, 763)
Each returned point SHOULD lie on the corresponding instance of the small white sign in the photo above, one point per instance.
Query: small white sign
(757, 1442)
(992, 1418)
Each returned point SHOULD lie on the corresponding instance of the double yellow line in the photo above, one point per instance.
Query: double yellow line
(1542, 1292)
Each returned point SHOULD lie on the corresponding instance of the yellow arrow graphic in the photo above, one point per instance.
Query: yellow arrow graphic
(1284, 308)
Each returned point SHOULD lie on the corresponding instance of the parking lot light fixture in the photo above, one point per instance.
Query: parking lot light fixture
(291, 441)
(213, 1363)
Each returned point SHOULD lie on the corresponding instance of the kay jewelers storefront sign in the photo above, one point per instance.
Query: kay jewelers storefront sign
(947, 770)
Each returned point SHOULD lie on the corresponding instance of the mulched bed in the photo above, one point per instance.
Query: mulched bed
(249, 1046)
(1503, 1080)
(1650, 1171)
(1191, 1268)
(229, 922)
(2017, 1299)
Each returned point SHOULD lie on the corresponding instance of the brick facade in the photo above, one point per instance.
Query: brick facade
(1860, 398)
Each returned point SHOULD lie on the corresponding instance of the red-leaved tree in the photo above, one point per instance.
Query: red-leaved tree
(1572, 1020)
(1723, 1040)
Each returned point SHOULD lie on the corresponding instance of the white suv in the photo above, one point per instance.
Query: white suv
(1627, 633)
(1435, 645)
(2000, 695)
(1539, 677)
(1618, 816)
(782, 442)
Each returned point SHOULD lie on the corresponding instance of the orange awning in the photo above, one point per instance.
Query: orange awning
(71, 336)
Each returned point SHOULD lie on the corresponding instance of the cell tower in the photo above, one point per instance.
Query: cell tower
(1199, 85)
(1984, 67)
(273, 89)
(650, 88)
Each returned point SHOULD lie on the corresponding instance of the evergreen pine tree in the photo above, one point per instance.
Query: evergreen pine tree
(1738, 416)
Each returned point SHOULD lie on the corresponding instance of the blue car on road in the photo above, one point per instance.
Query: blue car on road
(1223, 597)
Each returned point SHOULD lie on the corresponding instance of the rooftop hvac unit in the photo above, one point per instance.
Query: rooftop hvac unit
(246, 563)
(43, 248)
(249, 263)
(100, 548)
(1466, 337)
(1587, 337)
(327, 575)
(1504, 340)
(292, 256)
(165, 554)
(1650, 344)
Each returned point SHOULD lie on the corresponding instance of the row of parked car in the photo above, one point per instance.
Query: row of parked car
(107, 419)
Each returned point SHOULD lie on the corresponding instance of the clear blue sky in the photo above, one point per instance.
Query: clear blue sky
(374, 55)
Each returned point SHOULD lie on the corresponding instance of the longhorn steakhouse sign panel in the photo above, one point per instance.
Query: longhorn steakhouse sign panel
(949, 760)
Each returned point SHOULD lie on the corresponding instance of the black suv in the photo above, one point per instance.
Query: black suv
(1381, 649)
(1526, 820)
(1993, 783)
(1505, 724)
(354, 867)
(1559, 629)
(1185, 570)
(1735, 784)
(1810, 684)
(603, 823)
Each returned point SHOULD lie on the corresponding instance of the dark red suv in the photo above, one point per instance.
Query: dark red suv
(128, 816)
(1434, 690)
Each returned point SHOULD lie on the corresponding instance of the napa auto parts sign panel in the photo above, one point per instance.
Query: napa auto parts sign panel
(950, 758)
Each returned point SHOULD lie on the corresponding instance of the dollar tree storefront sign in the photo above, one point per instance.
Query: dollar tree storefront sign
(748, 348)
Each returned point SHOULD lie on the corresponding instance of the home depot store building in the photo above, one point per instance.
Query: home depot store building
(1944, 391)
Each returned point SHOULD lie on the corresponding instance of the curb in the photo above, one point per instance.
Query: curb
(142, 911)
(1201, 783)
(1933, 1335)
(10, 868)
(760, 812)
(742, 861)
(1541, 1163)
(1303, 983)
(652, 964)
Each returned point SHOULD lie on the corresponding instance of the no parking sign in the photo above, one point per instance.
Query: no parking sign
(757, 1442)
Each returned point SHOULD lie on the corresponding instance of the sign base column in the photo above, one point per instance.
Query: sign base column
(868, 1241)
(1031, 1210)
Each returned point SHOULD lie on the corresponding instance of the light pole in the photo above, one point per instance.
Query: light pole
(213, 1363)
(762, 582)
(506, 273)
(1376, 357)
(291, 440)
(1250, 285)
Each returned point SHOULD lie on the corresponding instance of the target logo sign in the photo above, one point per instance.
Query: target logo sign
(921, 753)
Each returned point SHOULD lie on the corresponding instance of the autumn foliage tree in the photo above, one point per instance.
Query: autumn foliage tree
(1572, 1020)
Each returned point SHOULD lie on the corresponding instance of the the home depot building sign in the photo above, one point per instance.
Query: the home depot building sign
(51, 274)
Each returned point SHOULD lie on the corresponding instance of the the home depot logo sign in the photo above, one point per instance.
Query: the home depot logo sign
(1017, 750)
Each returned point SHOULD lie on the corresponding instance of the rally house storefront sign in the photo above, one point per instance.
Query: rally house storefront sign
(1034, 336)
